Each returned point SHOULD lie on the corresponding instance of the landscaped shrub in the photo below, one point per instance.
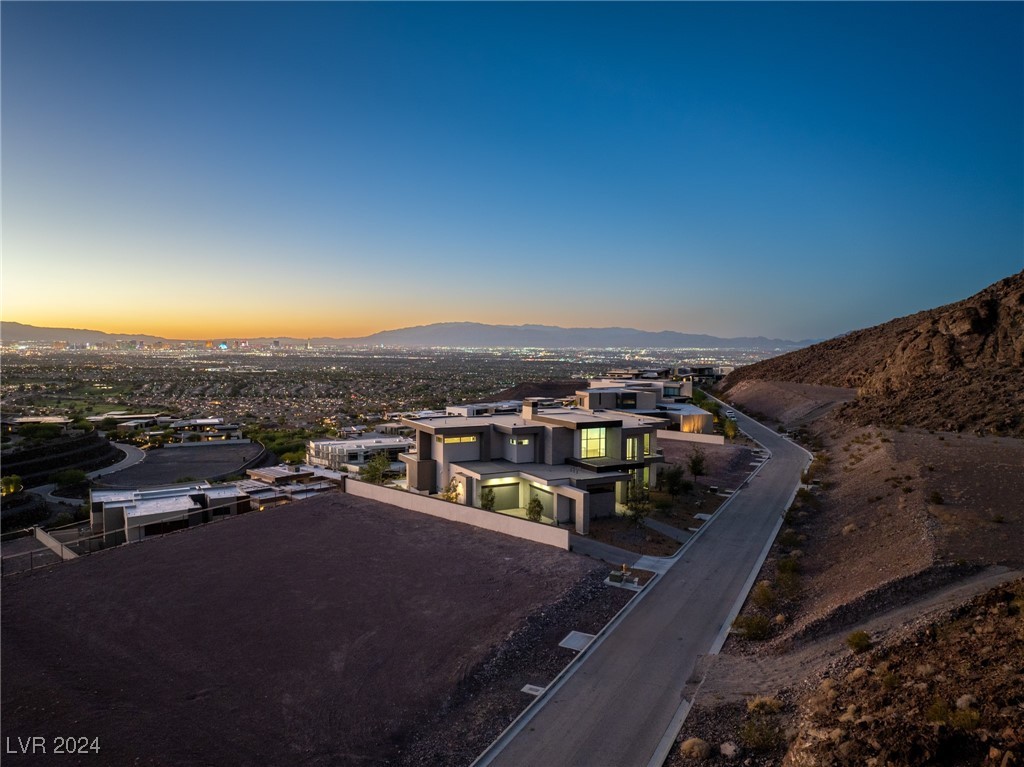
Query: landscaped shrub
(859, 641)
(534, 510)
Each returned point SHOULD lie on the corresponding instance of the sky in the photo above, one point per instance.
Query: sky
(793, 170)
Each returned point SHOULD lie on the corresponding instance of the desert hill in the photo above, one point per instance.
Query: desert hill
(954, 368)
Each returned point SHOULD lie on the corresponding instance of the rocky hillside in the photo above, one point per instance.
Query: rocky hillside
(958, 367)
(947, 694)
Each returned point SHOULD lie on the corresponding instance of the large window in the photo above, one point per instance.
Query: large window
(458, 440)
(647, 444)
(632, 448)
(592, 443)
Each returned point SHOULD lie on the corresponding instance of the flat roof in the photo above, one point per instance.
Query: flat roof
(151, 506)
(542, 471)
(683, 409)
(363, 442)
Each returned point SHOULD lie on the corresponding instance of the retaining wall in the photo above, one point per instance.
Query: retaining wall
(457, 512)
(682, 436)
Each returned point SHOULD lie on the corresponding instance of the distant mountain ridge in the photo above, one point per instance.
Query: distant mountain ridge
(960, 366)
(451, 334)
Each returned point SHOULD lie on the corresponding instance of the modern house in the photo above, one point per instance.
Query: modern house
(192, 430)
(352, 454)
(577, 462)
(654, 397)
(128, 516)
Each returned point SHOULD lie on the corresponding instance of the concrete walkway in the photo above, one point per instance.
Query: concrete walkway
(613, 555)
(667, 530)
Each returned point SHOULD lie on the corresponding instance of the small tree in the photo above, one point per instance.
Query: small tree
(698, 463)
(534, 509)
(487, 499)
(673, 480)
(730, 428)
(450, 492)
(375, 470)
(10, 484)
(638, 502)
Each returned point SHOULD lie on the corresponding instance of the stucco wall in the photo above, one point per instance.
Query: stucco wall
(680, 436)
(467, 515)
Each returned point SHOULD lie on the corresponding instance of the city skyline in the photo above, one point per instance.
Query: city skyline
(259, 169)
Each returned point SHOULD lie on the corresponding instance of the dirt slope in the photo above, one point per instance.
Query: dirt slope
(957, 367)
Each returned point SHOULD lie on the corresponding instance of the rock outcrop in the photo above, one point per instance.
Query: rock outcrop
(959, 367)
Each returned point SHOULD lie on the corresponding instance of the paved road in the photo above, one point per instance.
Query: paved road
(615, 707)
(132, 456)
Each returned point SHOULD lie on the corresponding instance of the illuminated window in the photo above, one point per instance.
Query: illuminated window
(592, 443)
(514, 441)
(647, 444)
(632, 448)
(459, 440)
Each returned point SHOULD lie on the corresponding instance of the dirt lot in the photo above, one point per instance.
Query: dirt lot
(330, 631)
(727, 465)
(169, 465)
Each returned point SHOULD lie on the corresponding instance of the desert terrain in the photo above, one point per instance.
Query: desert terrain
(894, 533)
(331, 631)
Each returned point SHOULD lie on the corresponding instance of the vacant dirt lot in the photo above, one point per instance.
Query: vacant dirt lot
(728, 466)
(173, 464)
(315, 633)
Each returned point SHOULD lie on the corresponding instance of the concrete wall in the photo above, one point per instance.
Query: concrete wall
(56, 546)
(467, 515)
(681, 436)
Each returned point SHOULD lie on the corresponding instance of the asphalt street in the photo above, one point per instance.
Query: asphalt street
(614, 707)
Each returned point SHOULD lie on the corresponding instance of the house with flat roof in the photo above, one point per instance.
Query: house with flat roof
(659, 398)
(577, 462)
(352, 454)
(129, 516)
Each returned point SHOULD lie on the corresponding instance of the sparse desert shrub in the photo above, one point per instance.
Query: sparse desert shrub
(761, 732)
(64, 518)
(763, 595)
(695, 748)
(964, 719)
(788, 565)
(753, 627)
(889, 680)
(788, 585)
(936, 498)
(789, 538)
(859, 641)
(763, 704)
(937, 711)
(999, 519)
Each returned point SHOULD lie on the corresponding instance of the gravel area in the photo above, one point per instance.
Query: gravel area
(325, 632)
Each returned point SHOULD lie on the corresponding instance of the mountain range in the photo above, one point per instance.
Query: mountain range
(452, 334)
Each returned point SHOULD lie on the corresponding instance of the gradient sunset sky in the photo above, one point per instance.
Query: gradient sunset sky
(249, 169)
